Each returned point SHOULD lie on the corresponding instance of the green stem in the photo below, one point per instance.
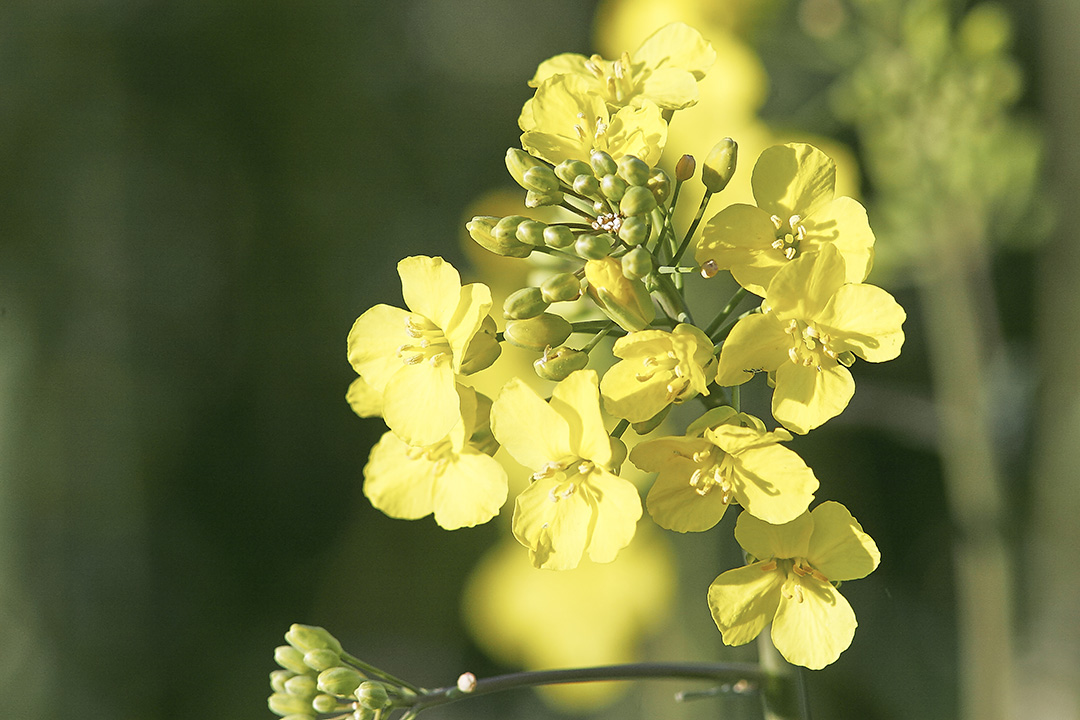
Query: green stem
(716, 672)
(595, 326)
(599, 336)
(671, 300)
(620, 428)
(374, 672)
(693, 228)
(728, 309)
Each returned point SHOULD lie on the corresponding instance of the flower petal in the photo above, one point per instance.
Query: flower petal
(743, 601)
(530, 430)
(839, 548)
(773, 483)
(676, 45)
(763, 540)
(807, 397)
(793, 179)
(396, 481)
(843, 224)
(865, 320)
(739, 238)
(421, 404)
(555, 529)
(803, 288)
(756, 343)
(431, 287)
(374, 341)
(671, 88)
(617, 510)
(673, 503)
(469, 491)
(365, 400)
(577, 400)
(814, 631)
(473, 305)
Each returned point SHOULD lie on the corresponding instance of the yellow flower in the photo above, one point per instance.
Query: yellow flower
(575, 503)
(790, 584)
(453, 478)
(813, 325)
(566, 120)
(796, 215)
(664, 69)
(735, 461)
(658, 368)
(412, 357)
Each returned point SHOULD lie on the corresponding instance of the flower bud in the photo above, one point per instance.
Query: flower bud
(519, 162)
(660, 184)
(602, 163)
(311, 637)
(538, 332)
(593, 246)
(481, 229)
(567, 170)
(363, 713)
(720, 165)
(301, 686)
(561, 287)
(637, 263)
(536, 198)
(327, 704)
(340, 681)
(531, 232)
(618, 453)
(558, 236)
(557, 364)
(634, 230)
(524, 303)
(278, 678)
(634, 170)
(613, 187)
(638, 200)
(684, 169)
(541, 178)
(647, 426)
(586, 185)
(483, 350)
(320, 659)
(285, 704)
(372, 695)
(623, 300)
(290, 658)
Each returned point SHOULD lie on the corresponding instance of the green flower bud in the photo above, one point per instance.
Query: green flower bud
(340, 681)
(483, 350)
(542, 178)
(524, 303)
(537, 333)
(660, 184)
(531, 232)
(634, 170)
(613, 187)
(536, 198)
(647, 426)
(311, 637)
(602, 163)
(372, 695)
(567, 170)
(720, 165)
(301, 686)
(618, 452)
(586, 185)
(593, 246)
(623, 300)
(557, 364)
(278, 679)
(321, 659)
(637, 263)
(285, 704)
(561, 287)
(481, 229)
(506, 228)
(363, 713)
(684, 169)
(638, 200)
(519, 162)
(290, 658)
(634, 230)
(558, 236)
(328, 704)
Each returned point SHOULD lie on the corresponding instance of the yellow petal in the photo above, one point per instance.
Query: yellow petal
(374, 341)
(773, 483)
(398, 482)
(764, 540)
(474, 302)
(562, 64)
(756, 343)
(627, 397)
(431, 287)
(469, 491)
(743, 601)
(839, 548)
(813, 632)
(843, 224)
(673, 503)
(365, 400)
(617, 510)
(553, 527)
(577, 400)
(740, 238)
(807, 397)
(793, 179)
(530, 430)
(671, 88)
(677, 45)
(420, 403)
(803, 287)
(865, 320)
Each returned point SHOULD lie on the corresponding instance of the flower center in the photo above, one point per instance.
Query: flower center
(593, 130)
(710, 475)
(431, 344)
(608, 222)
(788, 235)
(441, 454)
(794, 569)
(810, 347)
(571, 472)
(673, 373)
(618, 80)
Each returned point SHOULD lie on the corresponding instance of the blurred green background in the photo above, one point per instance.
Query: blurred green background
(196, 201)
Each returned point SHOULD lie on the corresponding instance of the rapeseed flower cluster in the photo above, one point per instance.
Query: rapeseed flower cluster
(617, 266)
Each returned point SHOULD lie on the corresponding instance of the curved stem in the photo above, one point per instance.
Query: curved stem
(728, 309)
(693, 228)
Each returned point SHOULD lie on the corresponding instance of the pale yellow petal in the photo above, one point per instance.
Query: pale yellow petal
(793, 179)
(739, 238)
(474, 302)
(764, 540)
(670, 88)
(530, 430)
(757, 343)
(813, 628)
(675, 504)
(743, 601)
(843, 223)
(807, 397)
(562, 64)
(374, 341)
(839, 548)
(802, 288)
(421, 404)
(365, 400)
(577, 400)
(865, 320)
(617, 510)
(469, 491)
(627, 397)
(397, 481)
(554, 528)
(431, 287)
(676, 45)
(773, 483)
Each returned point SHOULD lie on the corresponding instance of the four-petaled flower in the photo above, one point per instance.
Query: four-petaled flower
(813, 325)
(796, 215)
(575, 502)
(790, 584)
(413, 357)
(665, 69)
(735, 461)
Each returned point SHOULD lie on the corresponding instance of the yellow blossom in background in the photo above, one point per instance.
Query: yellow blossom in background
(566, 120)
(596, 614)
(812, 326)
(454, 479)
(575, 503)
(413, 356)
(657, 368)
(796, 214)
(790, 584)
(735, 461)
(664, 69)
